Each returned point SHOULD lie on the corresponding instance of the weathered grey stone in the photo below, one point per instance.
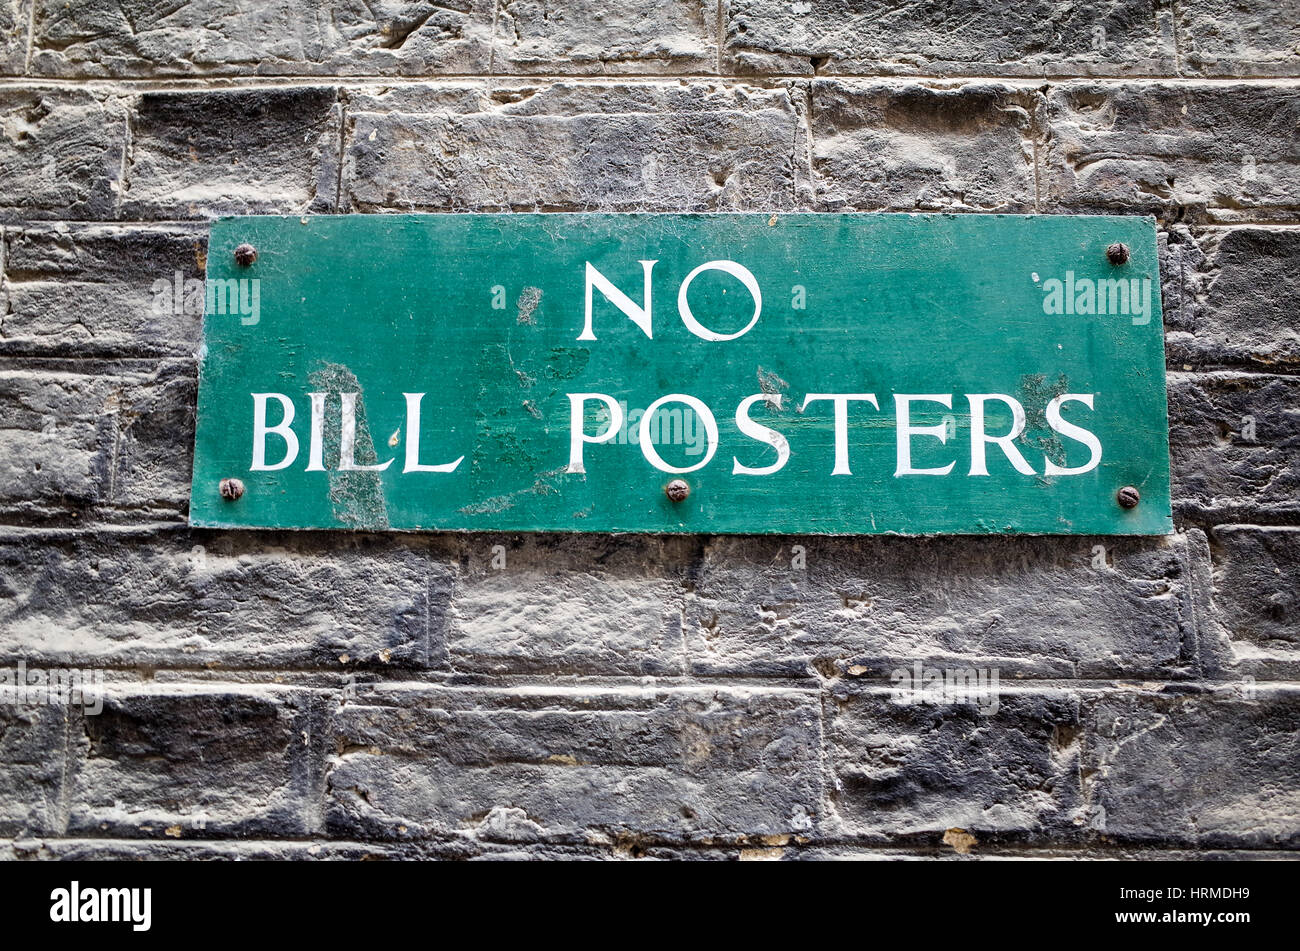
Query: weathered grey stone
(468, 848)
(171, 597)
(224, 761)
(259, 151)
(88, 290)
(917, 770)
(1245, 38)
(63, 152)
(584, 764)
(122, 435)
(573, 147)
(57, 435)
(153, 454)
(1231, 297)
(1172, 246)
(637, 36)
(946, 38)
(890, 147)
(1205, 770)
(869, 606)
(201, 849)
(33, 745)
(571, 605)
(14, 18)
(1256, 601)
(176, 848)
(1234, 444)
(1179, 151)
(271, 37)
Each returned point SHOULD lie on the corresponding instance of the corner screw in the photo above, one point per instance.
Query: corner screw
(677, 490)
(1117, 253)
(231, 489)
(245, 255)
(1128, 497)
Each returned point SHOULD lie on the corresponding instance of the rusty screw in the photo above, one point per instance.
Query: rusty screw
(677, 490)
(1117, 253)
(231, 489)
(1128, 497)
(245, 255)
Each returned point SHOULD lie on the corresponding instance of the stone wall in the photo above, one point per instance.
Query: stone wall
(344, 695)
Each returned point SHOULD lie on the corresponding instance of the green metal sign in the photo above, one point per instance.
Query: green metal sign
(839, 374)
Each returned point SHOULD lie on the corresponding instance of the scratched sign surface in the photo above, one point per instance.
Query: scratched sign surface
(840, 374)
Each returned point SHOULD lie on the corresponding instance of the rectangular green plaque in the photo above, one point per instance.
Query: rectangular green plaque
(816, 373)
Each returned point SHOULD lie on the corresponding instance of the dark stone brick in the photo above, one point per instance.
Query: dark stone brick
(949, 37)
(14, 18)
(573, 147)
(224, 760)
(1234, 441)
(914, 771)
(268, 38)
(171, 597)
(229, 152)
(890, 147)
(63, 153)
(865, 607)
(1231, 298)
(1256, 601)
(88, 290)
(1244, 38)
(1201, 770)
(75, 440)
(635, 36)
(571, 604)
(33, 761)
(1191, 151)
(583, 764)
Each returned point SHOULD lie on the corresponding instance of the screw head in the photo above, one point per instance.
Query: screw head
(245, 255)
(1117, 253)
(1128, 497)
(677, 490)
(231, 489)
